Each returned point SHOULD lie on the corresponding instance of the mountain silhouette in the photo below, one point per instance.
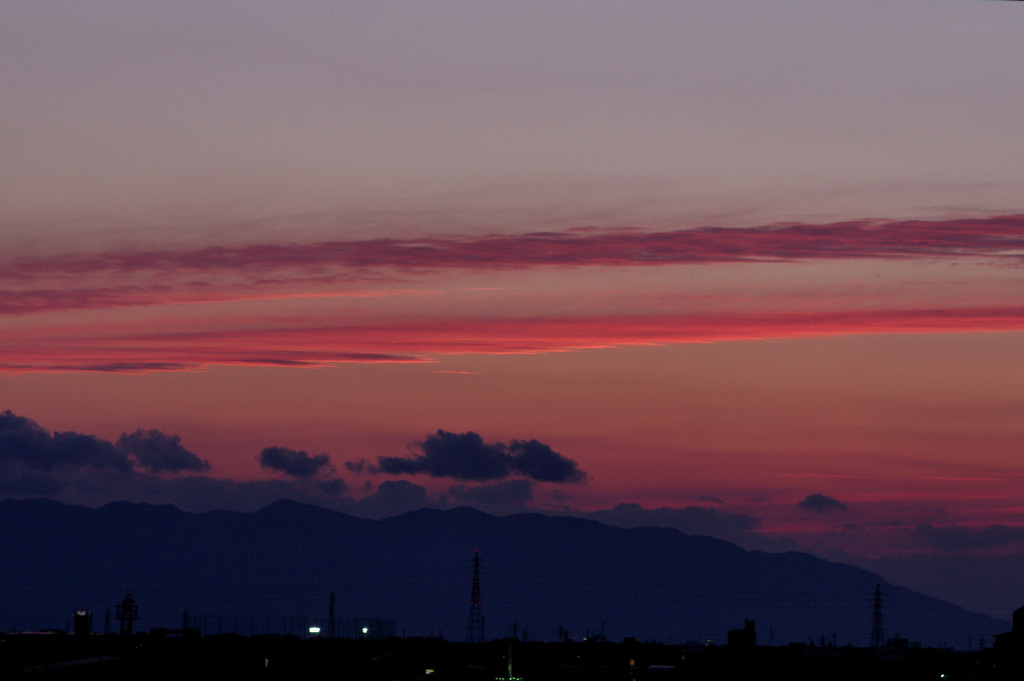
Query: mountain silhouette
(274, 571)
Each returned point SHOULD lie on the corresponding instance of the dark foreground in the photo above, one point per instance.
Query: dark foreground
(226, 657)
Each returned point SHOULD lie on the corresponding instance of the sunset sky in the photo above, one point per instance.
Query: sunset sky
(750, 269)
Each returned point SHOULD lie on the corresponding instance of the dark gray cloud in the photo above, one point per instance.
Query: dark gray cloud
(738, 528)
(75, 449)
(357, 466)
(819, 503)
(143, 466)
(35, 462)
(956, 539)
(16, 481)
(157, 451)
(538, 461)
(394, 497)
(507, 496)
(691, 519)
(199, 492)
(297, 464)
(465, 456)
(333, 487)
(26, 445)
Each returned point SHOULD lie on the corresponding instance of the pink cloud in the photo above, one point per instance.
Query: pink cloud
(14, 302)
(390, 340)
(1001, 236)
(402, 267)
(387, 300)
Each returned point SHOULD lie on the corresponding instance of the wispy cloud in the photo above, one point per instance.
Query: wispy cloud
(1001, 237)
(394, 300)
(302, 344)
(957, 539)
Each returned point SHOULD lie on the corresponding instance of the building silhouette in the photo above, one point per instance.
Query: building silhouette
(83, 622)
(127, 613)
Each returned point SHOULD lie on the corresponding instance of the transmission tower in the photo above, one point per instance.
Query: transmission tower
(877, 620)
(475, 626)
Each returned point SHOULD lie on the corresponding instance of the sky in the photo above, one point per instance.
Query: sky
(751, 270)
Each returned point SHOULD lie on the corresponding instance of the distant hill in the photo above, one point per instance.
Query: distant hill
(274, 570)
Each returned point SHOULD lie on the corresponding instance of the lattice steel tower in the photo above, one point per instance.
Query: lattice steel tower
(877, 620)
(475, 626)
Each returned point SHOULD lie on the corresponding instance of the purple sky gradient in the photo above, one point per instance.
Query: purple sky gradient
(720, 255)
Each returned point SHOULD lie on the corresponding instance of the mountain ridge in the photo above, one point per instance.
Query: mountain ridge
(280, 564)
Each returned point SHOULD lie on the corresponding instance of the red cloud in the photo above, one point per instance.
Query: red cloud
(295, 305)
(995, 236)
(262, 271)
(407, 341)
